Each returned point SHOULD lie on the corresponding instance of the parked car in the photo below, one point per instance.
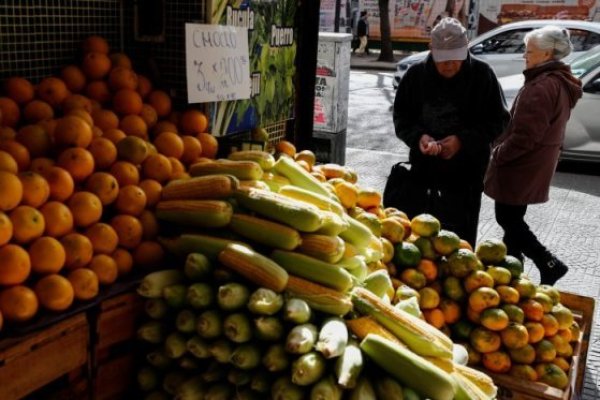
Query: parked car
(582, 136)
(503, 46)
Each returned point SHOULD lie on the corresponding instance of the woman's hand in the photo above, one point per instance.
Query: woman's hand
(429, 146)
(450, 145)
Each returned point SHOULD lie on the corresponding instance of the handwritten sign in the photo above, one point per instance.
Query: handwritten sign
(216, 63)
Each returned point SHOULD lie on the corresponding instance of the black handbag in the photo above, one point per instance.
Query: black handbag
(405, 190)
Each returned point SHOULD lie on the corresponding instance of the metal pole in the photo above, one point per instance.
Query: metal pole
(338, 5)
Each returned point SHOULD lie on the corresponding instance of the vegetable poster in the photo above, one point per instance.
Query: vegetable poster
(272, 54)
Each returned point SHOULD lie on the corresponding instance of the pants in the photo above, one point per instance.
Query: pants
(458, 211)
(363, 45)
(519, 239)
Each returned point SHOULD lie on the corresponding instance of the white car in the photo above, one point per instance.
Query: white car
(582, 136)
(502, 48)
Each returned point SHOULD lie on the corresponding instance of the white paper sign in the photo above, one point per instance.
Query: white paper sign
(216, 63)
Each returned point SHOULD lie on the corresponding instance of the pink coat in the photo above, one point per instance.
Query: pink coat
(524, 157)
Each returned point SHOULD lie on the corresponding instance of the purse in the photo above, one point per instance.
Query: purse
(405, 190)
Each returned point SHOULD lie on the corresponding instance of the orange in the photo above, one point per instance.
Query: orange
(78, 161)
(125, 173)
(544, 351)
(169, 144)
(103, 151)
(286, 147)
(53, 91)
(495, 319)
(54, 292)
(482, 298)
(465, 245)
(497, 361)
(129, 229)
(148, 254)
(127, 101)
(105, 119)
(177, 169)
(562, 363)
(114, 135)
(15, 264)
(96, 44)
(41, 165)
(36, 189)
(533, 310)
(98, 91)
(133, 149)
(49, 126)
(74, 78)
(550, 325)
(72, 131)
(120, 60)
(158, 167)
(103, 185)
(6, 231)
(192, 149)
(19, 89)
(9, 109)
(164, 126)
(124, 261)
(161, 102)
(38, 110)
(85, 283)
(103, 237)
(368, 197)
(515, 336)
(130, 200)
(150, 227)
(58, 218)
(134, 125)
(152, 188)
(8, 163)
(61, 183)
(451, 310)
(47, 255)
(18, 303)
(523, 355)
(536, 331)
(95, 65)
(508, 294)
(566, 334)
(523, 372)
(28, 224)
(86, 208)
(552, 375)
(413, 278)
(210, 145)
(149, 115)
(18, 151)
(105, 267)
(35, 138)
(144, 86)
(78, 249)
(76, 102)
(428, 268)
(122, 78)
(193, 122)
(428, 298)
(434, 317)
(485, 341)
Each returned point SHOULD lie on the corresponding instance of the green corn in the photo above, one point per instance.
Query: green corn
(237, 328)
(200, 295)
(284, 389)
(265, 301)
(152, 285)
(185, 321)
(197, 267)
(296, 310)
(147, 379)
(232, 296)
(349, 366)
(209, 324)
(275, 358)
(326, 389)
(198, 347)
(301, 339)
(308, 369)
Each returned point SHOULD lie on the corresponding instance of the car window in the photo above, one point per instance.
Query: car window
(509, 42)
(585, 63)
(583, 40)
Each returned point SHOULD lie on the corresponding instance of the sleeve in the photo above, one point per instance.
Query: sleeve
(531, 120)
(490, 116)
(407, 109)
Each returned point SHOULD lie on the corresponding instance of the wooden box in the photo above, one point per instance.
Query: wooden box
(515, 389)
(33, 361)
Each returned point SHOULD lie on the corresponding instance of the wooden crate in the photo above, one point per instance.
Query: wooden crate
(516, 389)
(113, 356)
(35, 360)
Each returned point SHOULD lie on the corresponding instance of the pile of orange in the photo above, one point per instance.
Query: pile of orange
(83, 158)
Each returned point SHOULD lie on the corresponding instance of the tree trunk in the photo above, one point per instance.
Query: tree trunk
(387, 52)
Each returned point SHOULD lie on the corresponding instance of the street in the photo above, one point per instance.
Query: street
(569, 224)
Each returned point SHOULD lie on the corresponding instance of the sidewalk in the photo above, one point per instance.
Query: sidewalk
(369, 61)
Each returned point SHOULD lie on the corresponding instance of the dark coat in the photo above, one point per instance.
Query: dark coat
(524, 157)
(363, 27)
(469, 105)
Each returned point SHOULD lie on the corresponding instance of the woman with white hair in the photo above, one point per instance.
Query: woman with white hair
(525, 156)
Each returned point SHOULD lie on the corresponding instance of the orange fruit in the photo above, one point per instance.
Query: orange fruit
(19, 89)
(105, 119)
(124, 261)
(158, 167)
(35, 138)
(85, 283)
(148, 254)
(494, 319)
(134, 125)
(15, 264)
(451, 310)
(105, 268)
(144, 86)
(544, 351)
(192, 149)
(103, 185)
(18, 151)
(6, 231)
(536, 331)
(150, 227)
(550, 325)
(210, 145)
(177, 169)
(74, 78)
(482, 298)
(485, 341)
(72, 131)
(76, 102)
(428, 268)
(28, 224)
(9, 109)
(428, 298)
(61, 183)
(164, 126)
(169, 144)
(149, 115)
(103, 237)
(130, 200)
(133, 149)
(434, 317)
(497, 361)
(38, 110)
(18, 303)
(49, 126)
(95, 65)
(533, 310)
(58, 218)
(120, 60)
(515, 336)
(53, 91)
(103, 151)
(152, 188)
(193, 122)
(286, 147)
(8, 163)
(98, 91)
(129, 230)
(78, 249)
(36, 189)
(96, 44)
(78, 161)
(125, 173)
(47, 255)
(161, 102)
(508, 294)
(86, 208)
(127, 101)
(523, 355)
(122, 78)
(114, 135)
(41, 165)
(54, 292)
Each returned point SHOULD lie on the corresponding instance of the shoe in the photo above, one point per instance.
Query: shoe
(552, 271)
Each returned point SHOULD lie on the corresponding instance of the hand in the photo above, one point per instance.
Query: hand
(429, 146)
(450, 146)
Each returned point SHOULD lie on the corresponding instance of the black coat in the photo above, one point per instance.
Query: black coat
(469, 105)
(362, 28)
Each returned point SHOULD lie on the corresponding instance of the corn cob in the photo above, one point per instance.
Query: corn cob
(442, 363)
(296, 311)
(254, 184)
(313, 269)
(298, 215)
(262, 158)
(201, 187)
(308, 368)
(152, 285)
(331, 170)
(325, 203)
(362, 326)
(210, 246)
(410, 369)
(332, 224)
(275, 181)
(243, 170)
(254, 266)
(388, 388)
(333, 338)
(417, 334)
(379, 283)
(323, 247)
(276, 358)
(301, 339)
(201, 213)
(265, 232)
(319, 297)
(326, 389)
(478, 378)
(284, 389)
(467, 390)
(357, 233)
(298, 176)
(349, 365)
(363, 390)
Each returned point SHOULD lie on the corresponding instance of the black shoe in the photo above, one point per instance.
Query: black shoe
(552, 271)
